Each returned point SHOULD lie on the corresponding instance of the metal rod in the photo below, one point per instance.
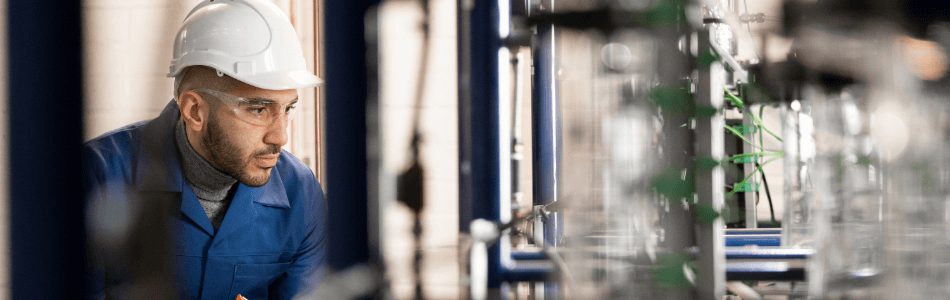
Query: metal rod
(737, 71)
(711, 279)
(751, 219)
(758, 240)
(484, 137)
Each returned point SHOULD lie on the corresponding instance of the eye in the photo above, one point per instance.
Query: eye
(290, 108)
(257, 110)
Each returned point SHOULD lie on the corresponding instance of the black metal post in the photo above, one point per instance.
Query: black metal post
(47, 234)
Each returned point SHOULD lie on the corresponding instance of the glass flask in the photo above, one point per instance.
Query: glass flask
(916, 210)
(847, 225)
(798, 130)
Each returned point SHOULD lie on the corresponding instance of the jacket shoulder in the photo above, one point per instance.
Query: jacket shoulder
(294, 172)
(299, 181)
(110, 154)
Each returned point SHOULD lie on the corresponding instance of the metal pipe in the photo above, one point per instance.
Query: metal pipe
(546, 131)
(546, 124)
(749, 197)
(484, 142)
(710, 184)
(738, 72)
(773, 271)
(758, 240)
(517, 148)
(753, 231)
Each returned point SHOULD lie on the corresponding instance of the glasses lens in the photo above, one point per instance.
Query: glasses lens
(260, 112)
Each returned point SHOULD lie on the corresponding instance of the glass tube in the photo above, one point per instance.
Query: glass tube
(799, 159)
(881, 185)
(916, 210)
(848, 202)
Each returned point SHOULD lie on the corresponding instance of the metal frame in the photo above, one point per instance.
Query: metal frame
(347, 89)
(751, 219)
(45, 100)
(711, 280)
(484, 151)
(480, 130)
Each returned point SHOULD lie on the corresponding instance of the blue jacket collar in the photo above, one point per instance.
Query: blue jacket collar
(158, 168)
(240, 212)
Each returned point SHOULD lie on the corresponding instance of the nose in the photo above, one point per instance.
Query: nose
(277, 132)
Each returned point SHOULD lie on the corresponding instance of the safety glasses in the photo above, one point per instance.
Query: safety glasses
(256, 111)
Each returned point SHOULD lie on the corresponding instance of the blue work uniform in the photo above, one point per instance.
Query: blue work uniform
(271, 244)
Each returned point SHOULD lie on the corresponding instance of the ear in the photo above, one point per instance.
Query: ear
(194, 110)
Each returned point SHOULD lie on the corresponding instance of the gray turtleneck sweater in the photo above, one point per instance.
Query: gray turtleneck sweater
(210, 185)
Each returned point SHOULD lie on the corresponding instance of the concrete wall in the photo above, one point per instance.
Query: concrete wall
(128, 46)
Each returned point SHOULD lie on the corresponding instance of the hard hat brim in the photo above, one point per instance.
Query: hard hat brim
(282, 80)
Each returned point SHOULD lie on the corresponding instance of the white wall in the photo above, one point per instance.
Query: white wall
(128, 46)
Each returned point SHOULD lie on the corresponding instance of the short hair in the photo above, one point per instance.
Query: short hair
(203, 77)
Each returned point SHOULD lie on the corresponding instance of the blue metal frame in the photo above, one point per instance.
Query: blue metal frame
(522, 255)
(529, 271)
(546, 131)
(768, 264)
(345, 111)
(774, 240)
(479, 130)
(546, 137)
(47, 231)
(480, 136)
(752, 231)
(777, 271)
(778, 253)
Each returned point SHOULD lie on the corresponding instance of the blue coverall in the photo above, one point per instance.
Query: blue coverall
(271, 244)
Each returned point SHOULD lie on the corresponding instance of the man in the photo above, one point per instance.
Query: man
(202, 201)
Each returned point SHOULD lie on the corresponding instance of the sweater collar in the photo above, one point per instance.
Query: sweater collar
(208, 183)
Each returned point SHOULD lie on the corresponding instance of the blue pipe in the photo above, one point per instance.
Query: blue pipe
(759, 240)
(479, 124)
(752, 231)
(546, 137)
(529, 271)
(771, 265)
(778, 271)
(522, 255)
(546, 131)
(764, 254)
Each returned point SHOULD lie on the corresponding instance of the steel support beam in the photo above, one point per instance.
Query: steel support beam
(47, 230)
(546, 137)
(751, 219)
(709, 139)
(484, 133)
(346, 94)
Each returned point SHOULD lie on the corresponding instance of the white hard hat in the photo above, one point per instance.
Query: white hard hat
(250, 40)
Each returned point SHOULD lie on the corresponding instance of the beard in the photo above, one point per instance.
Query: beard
(227, 158)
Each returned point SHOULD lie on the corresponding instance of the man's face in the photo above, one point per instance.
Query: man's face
(247, 150)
